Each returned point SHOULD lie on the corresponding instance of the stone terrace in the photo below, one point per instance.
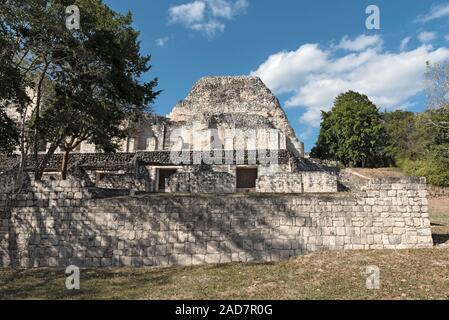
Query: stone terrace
(62, 223)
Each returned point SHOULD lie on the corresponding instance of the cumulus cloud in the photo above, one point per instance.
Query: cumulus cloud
(187, 13)
(312, 76)
(436, 12)
(227, 9)
(426, 36)
(207, 16)
(360, 43)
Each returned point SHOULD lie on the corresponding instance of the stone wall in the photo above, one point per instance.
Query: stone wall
(7, 183)
(280, 183)
(59, 223)
(303, 182)
(319, 182)
(240, 96)
(201, 182)
(110, 180)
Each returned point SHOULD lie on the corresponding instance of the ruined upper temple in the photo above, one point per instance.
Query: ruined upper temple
(243, 100)
(230, 133)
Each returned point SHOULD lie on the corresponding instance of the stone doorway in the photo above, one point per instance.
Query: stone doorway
(162, 175)
(246, 179)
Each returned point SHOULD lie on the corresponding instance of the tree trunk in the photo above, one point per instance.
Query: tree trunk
(23, 154)
(64, 164)
(40, 167)
(37, 136)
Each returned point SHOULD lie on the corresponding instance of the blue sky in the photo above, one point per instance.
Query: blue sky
(305, 51)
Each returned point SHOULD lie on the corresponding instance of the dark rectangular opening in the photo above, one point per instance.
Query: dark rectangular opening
(246, 178)
(164, 174)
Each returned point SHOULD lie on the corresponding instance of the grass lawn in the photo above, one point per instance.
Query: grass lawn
(404, 274)
(408, 274)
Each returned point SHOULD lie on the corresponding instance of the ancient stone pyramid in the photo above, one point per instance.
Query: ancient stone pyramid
(243, 96)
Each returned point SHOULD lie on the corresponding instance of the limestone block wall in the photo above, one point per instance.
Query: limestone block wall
(280, 183)
(302, 182)
(179, 182)
(7, 182)
(319, 182)
(60, 223)
(120, 181)
(273, 169)
(201, 182)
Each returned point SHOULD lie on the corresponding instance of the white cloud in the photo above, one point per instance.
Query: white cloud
(313, 76)
(426, 36)
(210, 28)
(187, 13)
(405, 42)
(284, 71)
(207, 16)
(360, 43)
(227, 9)
(436, 12)
(162, 41)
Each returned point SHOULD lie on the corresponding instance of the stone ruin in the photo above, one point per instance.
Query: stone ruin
(144, 207)
(230, 134)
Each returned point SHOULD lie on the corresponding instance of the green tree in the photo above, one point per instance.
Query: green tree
(9, 134)
(434, 165)
(420, 143)
(12, 92)
(352, 132)
(87, 81)
(408, 137)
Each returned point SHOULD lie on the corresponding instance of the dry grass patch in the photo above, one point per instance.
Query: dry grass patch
(379, 172)
(408, 274)
(439, 217)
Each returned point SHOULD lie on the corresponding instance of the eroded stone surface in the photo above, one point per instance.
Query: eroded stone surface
(61, 223)
(243, 97)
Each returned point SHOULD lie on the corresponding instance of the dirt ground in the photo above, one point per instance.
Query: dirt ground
(380, 172)
(439, 218)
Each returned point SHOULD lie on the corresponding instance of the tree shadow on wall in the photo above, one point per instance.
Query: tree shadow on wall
(216, 228)
(158, 230)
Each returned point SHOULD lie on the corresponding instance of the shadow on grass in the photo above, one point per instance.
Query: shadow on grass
(29, 284)
(50, 283)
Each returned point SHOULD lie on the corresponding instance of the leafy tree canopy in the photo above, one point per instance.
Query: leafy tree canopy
(87, 81)
(352, 132)
(12, 91)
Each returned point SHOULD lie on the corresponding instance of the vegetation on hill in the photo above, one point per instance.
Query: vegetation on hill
(352, 132)
(356, 134)
(419, 143)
